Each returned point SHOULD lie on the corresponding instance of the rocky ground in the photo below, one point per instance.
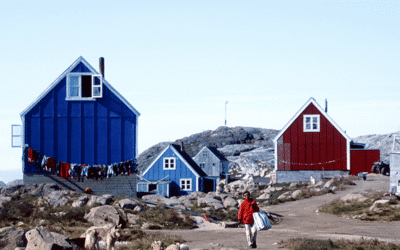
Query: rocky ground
(301, 218)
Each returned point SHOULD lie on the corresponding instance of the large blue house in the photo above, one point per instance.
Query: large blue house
(173, 172)
(81, 119)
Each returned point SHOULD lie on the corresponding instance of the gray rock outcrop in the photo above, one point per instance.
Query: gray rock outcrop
(40, 239)
(223, 136)
(354, 198)
(128, 203)
(81, 201)
(103, 215)
(13, 237)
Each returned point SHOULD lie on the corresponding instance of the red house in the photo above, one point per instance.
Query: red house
(311, 144)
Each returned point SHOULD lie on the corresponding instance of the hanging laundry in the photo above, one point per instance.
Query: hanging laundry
(84, 172)
(31, 155)
(58, 168)
(110, 171)
(64, 173)
(44, 162)
(51, 165)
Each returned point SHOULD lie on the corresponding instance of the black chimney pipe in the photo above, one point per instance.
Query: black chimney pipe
(101, 66)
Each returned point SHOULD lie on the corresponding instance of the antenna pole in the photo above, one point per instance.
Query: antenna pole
(225, 111)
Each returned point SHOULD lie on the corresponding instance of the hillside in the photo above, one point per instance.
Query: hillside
(250, 143)
(250, 151)
(382, 142)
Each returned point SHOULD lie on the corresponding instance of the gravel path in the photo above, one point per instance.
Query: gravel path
(300, 220)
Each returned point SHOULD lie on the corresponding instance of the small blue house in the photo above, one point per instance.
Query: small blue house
(173, 172)
(80, 118)
(214, 164)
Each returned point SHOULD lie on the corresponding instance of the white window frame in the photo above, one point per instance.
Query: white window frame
(14, 136)
(184, 183)
(79, 97)
(100, 86)
(167, 163)
(311, 123)
(205, 153)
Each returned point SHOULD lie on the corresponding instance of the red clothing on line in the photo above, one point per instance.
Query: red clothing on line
(64, 171)
(31, 155)
(246, 210)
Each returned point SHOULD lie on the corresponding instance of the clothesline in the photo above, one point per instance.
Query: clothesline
(79, 171)
(311, 164)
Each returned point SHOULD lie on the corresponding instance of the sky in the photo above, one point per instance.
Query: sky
(181, 64)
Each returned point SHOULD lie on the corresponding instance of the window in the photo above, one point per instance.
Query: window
(169, 163)
(311, 123)
(16, 136)
(152, 187)
(205, 153)
(84, 86)
(202, 165)
(186, 184)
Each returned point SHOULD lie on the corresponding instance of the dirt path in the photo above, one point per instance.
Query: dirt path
(301, 220)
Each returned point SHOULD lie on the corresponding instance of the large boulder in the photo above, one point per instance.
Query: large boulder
(56, 198)
(354, 198)
(154, 198)
(329, 183)
(11, 189)
(49, 187)
(11, 238)
(133, 218)
(4, 200)
(80, 202)
(230, 202)
(103, 215)
(128, 203)
(264, 196)
(217, 204)
(374, 206)
(296, 194)
(40, 239)
(102, 200)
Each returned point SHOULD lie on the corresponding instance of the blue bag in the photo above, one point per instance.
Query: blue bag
(261, 221)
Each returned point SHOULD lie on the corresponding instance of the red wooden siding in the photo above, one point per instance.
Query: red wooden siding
(361, 160)
(324, 150)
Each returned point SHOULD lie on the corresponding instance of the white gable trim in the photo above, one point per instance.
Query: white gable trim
(155, 160)
(210, 151)
(199, 152)
(180, 157)
(311, 100)
(73, 65)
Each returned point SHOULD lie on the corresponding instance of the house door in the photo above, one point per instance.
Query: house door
(208, 185)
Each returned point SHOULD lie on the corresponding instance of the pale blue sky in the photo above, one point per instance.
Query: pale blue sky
(178, 62)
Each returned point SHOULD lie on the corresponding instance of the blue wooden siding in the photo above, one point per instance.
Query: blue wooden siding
(102, 131)
(182, 171)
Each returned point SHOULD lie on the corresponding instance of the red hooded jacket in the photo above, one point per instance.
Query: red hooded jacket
(246, 210)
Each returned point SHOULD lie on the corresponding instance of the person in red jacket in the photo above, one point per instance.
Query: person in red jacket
(246, 210)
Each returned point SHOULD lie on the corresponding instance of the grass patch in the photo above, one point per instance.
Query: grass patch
(219, 215)
(166, 218)
(360, 210)
(65, 215)
(311, 244)
(17, 210)
(142, 240)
